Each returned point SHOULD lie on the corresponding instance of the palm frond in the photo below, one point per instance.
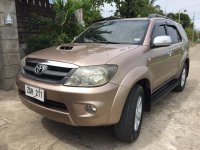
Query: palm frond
(152, 2)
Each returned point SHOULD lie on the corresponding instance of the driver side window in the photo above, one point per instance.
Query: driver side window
(173, 33)
(159, 30)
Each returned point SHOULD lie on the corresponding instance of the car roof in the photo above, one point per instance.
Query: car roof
(142, 19)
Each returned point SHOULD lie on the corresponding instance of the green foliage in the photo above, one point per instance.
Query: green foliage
(184, 19)
(65, 26)
(60, 29)
(91, 12)
(97, 3)
(189, 32)
(135, 8)
(172, 16)
(37, 43)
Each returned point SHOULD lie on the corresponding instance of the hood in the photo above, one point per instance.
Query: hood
(83, 54)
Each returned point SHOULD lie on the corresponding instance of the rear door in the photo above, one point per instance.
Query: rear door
(159, 58)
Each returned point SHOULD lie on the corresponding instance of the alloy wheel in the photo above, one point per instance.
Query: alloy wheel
(138, 113)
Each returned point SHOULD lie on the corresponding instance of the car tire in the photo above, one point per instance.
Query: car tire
(182, 80)
(128, 128)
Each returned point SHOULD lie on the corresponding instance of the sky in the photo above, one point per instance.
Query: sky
(191, 6)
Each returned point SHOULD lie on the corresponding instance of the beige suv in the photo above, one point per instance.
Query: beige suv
(108, 75)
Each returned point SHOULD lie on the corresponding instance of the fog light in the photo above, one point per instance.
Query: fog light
(90, 108)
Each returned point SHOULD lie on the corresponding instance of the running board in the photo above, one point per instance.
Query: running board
(160, 93)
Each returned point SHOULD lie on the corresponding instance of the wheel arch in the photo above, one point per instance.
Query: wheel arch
(121, 97)
(145, 83)
(187, 62)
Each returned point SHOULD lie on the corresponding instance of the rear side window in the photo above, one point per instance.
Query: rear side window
(182, 32)
(173, 33)
(159, 30)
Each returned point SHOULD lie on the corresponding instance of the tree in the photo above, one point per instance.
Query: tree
(152, 8)
(157, 8)
(186, 22)
(172, 16)
(189, 32)
(184, 19)
(92, 12)
(135, 8)
(64, 26)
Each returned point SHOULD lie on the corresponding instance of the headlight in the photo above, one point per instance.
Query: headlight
(91, 76)
(22, 63)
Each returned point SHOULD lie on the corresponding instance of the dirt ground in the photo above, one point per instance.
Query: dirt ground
(172, 124)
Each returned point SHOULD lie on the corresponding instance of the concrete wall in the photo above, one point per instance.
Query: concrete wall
(9, 46)
(1, 67)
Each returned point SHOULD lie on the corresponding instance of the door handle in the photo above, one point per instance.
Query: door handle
(170, 53)
(148, 61)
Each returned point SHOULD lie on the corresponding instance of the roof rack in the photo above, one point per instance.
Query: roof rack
(157, 15)
(108, 18)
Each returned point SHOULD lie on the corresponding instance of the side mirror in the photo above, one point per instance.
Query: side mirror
(161, 41)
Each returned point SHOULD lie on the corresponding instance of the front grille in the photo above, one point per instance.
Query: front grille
(55, 72)
(47, 103)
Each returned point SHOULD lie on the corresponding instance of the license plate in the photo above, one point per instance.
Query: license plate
(34, 92)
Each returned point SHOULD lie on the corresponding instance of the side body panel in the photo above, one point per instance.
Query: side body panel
(176, 50)
(185, 49)
(133, 67)
(160, 66)
(160, 58)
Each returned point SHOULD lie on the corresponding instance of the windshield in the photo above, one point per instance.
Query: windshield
(115, 32)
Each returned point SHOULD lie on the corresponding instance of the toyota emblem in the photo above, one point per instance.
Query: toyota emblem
(40, 68)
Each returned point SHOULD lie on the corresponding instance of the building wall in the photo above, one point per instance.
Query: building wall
(9, 46)
(25, 11)
(1, 69)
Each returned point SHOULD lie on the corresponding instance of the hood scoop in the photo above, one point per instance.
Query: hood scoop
(65, 47)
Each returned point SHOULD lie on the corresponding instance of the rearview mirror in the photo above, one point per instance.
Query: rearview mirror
(160, 41)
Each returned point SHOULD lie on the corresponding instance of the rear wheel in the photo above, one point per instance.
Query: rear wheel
(182, 80)
(128, 128)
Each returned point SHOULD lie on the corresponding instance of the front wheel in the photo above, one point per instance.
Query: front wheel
(182, 80)
(128, 128)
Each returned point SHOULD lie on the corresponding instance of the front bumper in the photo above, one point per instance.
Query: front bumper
(74, 99)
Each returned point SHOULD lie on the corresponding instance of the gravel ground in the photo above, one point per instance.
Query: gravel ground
(172, 124)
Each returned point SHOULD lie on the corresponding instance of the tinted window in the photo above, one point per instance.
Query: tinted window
(159, 30)
(173, 33)
(182, 31)
(123, 31)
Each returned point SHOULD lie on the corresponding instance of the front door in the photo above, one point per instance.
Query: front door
(159, 59)
(176, 49)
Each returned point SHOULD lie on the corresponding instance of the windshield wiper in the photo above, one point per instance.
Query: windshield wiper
(103, 42)
(108, 42)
